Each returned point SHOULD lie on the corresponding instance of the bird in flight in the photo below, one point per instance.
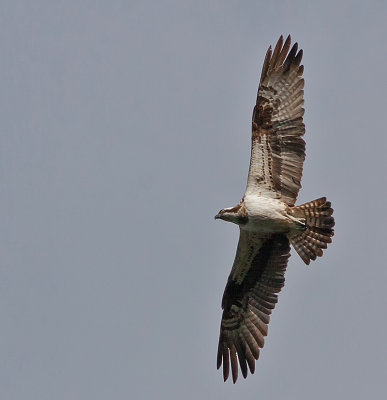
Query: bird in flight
(268, 219)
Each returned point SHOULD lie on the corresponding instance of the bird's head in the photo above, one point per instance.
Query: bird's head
(232, 214)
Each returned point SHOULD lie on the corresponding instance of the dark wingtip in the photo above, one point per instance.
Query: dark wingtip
(288, 40)
(219, 358)
(290, 58)
(298, 58)
(294, 49)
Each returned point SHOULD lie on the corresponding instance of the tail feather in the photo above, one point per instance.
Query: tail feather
(318, 231)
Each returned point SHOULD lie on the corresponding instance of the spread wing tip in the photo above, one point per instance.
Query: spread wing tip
(276, 58)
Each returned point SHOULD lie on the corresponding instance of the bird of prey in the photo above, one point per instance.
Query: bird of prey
(268, 219)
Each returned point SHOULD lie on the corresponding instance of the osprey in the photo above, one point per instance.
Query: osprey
(267, 216)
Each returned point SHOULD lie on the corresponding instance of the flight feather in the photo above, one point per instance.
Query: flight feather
(277, 146)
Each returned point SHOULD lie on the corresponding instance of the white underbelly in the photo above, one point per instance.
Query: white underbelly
(266, 215)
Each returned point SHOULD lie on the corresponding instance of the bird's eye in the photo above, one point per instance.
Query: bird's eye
(222, 211)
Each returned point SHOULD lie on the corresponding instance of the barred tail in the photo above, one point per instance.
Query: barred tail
(319, 223)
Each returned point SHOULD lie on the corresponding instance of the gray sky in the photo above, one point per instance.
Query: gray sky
(125, 128)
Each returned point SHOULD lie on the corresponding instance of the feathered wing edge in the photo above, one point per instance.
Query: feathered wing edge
(278, 150)
(249, 298)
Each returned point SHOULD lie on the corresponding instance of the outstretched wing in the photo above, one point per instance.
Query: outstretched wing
(251, 293)
(278, 150)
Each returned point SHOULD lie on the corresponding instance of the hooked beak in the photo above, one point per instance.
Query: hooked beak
(217, 216)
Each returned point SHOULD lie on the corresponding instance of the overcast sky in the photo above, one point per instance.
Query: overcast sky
(125, 127)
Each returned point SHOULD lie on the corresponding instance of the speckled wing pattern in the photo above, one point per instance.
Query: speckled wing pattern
(278, 150)
(250, 295)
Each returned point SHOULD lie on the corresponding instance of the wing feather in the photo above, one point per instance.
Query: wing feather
(278, 149)
(249, 298)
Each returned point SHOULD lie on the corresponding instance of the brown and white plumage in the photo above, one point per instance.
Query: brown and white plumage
(278, 150)
(250, 295)
(268, 220)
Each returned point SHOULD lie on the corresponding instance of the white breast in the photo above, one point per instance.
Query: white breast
(265, 214)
